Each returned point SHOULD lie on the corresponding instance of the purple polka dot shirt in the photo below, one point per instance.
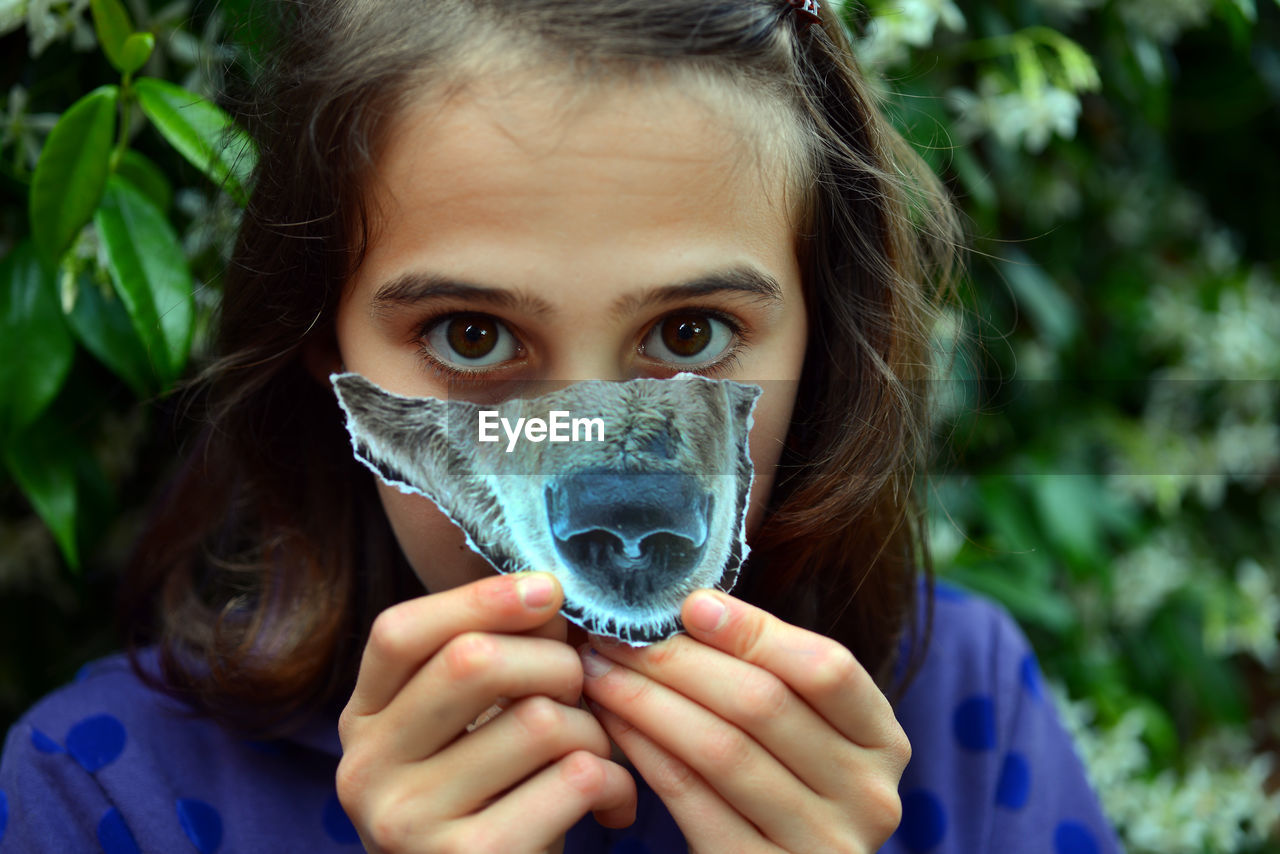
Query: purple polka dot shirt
(106, 765)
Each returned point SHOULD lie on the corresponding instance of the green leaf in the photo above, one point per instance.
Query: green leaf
(975, 178)
(1049, 307)
(112, 24)
(1068, 507)
(200, 131)
(36, 349)
(1159, 730)
(150, 274)
(45, 470)
(1030, 604)
(102, 324)
(147, 177)
(72, 172)
(136, 51)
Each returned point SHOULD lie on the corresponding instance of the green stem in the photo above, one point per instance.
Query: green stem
(126, 113)
(1007, 44)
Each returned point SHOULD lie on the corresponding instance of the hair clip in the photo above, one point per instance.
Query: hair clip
(806, 10)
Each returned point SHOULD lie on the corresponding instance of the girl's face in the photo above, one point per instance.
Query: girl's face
(639, 233)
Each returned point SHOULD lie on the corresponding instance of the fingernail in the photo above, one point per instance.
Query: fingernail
(594, 664)
(534, 590)
(707, 613)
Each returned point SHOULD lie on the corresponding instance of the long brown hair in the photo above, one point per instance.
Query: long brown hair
(269, 556)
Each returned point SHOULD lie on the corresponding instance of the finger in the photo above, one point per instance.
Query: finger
(531, 734)
(545, 806)
(404, 636)
(707, 822)
(557, 628)
(464, 679)
(756, 701)
(823, 672)
(744, 774)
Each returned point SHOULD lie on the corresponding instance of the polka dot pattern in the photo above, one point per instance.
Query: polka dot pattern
(96, 742)
(1010, 776)
(924, 821)
(974, 723)
(336, 824)
(114, 835)
(1072, 837)
(201, 823)
(1014, 784)
(43, 743)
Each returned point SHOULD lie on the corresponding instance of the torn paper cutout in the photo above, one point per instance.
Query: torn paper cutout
(633, 494)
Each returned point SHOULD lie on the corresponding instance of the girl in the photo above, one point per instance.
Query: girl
(555, 190)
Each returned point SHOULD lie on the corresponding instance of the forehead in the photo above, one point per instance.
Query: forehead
(612, 172)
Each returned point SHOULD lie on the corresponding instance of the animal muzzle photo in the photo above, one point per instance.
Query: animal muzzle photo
(630, 518)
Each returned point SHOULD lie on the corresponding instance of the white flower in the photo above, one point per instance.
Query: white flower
(903, 24)
(1221, 253)
(1246, 449)
(1145, 577)
(945, 538)
(1023, 117)
(51, 20)
(1244, 345)
(1047, 112)
(1246, 617)
(1219, 805)
(13, 14)
(1172, 318)
(1068, 9)
(24, 130)
(1164, 20)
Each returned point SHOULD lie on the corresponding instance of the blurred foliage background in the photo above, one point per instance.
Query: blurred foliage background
(1109, 383)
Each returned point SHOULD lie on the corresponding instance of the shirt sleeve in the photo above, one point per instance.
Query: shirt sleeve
(1041, 786)
(107, 765)
(993, 768)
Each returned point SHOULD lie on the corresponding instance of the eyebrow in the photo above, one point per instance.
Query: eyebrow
(414, 287)
(417, 287)
(744, 281)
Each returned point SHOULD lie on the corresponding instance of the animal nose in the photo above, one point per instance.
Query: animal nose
(631, 508)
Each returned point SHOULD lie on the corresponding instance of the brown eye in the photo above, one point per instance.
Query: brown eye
(686, 335)
(689, 338)
(471, 341)
(472, 337)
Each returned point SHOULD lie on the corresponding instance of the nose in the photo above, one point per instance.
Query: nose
(589, 358)
(630, 511)
(633, 535)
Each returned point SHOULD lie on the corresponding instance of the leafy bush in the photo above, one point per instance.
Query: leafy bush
(117, 213)
(1109, 441)
(1108, 448)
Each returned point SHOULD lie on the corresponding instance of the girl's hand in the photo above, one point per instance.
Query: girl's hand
(756, 734)
(413, 779)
